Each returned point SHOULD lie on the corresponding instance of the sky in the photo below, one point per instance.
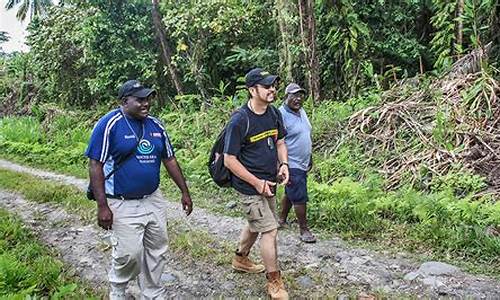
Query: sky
(15, 29)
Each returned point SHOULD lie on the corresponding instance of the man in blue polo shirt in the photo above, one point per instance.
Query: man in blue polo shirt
(132, 145)
(299, 144)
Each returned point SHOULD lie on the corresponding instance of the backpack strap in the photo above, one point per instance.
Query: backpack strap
(243, 111)
(274, 112)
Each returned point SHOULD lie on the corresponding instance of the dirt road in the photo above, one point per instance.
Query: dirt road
(328, 268)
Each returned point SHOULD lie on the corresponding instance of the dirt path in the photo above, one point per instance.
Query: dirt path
(329, 267)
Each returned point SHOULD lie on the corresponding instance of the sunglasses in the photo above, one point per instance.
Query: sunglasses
(266, 86)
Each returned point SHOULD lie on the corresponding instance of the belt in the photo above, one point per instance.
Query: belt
(124, 197)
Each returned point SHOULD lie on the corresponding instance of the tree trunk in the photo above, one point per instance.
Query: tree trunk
(286, 59)
(308, 34)
(166, 52)
(314, 62)
(460, 28)
(196, 69)
(495, 24)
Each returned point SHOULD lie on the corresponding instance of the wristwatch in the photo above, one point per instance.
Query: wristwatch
(284, 163)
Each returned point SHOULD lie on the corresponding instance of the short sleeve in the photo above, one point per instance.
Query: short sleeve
(235, 134)
(281, 126)
(169, 149)
(98, 147)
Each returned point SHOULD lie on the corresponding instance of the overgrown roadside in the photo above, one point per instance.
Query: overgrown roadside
(329, 267)
(28, 268)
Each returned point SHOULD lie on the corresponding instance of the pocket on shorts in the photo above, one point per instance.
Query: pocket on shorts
(253, 211)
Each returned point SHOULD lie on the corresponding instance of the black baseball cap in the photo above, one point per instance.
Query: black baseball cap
(134, 88)
(259, 76)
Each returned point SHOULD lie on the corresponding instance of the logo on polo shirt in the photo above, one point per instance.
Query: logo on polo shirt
(145, 147)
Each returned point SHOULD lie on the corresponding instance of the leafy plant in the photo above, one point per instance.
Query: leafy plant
(30, 270)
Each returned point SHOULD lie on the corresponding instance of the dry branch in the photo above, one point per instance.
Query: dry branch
(407, 125)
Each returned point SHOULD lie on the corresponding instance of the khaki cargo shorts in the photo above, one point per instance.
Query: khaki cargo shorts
(260, 212)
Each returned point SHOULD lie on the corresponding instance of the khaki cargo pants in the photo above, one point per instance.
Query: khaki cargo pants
(260, 212)
(139, 241)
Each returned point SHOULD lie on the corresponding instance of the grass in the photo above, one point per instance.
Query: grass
(59, 147)
(43, 191)
(346, 200)
(396, 237)
(189, 244)
(29, 270)
(195, 244)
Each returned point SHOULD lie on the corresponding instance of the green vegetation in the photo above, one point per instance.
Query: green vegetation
(347, 196)
(189, 244)
(34, 189)
(80, 51)
(28, 140)
(405, 143)
(28, 270)
(199, 244)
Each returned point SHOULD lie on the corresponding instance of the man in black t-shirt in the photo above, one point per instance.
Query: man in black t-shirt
(256, 155)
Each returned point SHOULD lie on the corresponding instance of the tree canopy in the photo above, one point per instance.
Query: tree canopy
(336, 49)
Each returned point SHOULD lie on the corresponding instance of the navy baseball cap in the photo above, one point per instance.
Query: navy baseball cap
(134, 88)
(259, 76)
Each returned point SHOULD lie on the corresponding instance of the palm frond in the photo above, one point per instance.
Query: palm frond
(11, 3)
(22, 10)
(34, 7)
(4, 36)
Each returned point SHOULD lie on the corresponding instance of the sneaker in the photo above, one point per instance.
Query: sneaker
(283, 224)
(244, 264)
(275, 286)
(307, 237)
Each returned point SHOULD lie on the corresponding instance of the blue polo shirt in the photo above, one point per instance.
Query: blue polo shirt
(298, 139)
(112, 138)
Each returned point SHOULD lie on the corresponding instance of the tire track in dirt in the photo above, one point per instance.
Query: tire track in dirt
(326, 267)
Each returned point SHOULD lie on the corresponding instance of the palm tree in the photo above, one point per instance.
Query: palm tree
(4, 36)
(34, 7)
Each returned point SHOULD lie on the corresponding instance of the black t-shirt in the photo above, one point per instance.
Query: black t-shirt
(256, 150)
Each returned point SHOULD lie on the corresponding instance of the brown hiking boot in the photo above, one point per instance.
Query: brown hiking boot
(244, 264)
(275, 286)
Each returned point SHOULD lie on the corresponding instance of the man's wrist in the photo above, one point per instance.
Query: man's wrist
(284, 163)
(102, 205)
(257, 182)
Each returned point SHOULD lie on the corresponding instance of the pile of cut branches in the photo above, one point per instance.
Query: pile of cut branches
(436, 125)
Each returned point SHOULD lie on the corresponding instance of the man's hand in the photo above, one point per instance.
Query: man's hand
(283, 174)
(264, 187)
(104, 217)
(187, 204)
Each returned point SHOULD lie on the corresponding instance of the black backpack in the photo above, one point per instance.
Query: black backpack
(219, 173)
